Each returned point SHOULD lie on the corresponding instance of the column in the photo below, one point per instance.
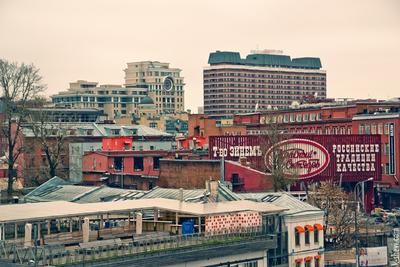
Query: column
(28, 235)
(16, 231)
(199, 218)
(1, 232)
(155, 219)
(101, 222)
(58, 225)
(129, 220)
(48, 227)
(70, 225)
(86, 230)
(139, 222)
(38, 231)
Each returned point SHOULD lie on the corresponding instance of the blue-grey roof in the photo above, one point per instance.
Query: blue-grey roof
(284, 200)
(265, 60)
(57, 189)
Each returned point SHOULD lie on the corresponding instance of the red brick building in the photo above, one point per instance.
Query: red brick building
(186, 174)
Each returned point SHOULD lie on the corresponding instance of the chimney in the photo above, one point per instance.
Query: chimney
(181, 194)
(243, 161)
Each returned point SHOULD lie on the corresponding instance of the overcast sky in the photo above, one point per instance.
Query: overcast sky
(358, 41)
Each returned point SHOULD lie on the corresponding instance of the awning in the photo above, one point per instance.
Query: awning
(309, 258)
(298, 260)
(318, 257)
(300, 229)
(309, 228)
(319, 226)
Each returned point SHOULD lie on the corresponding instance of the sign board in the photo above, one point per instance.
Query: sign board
(301, 157)
(394, 247)
(351, 158)
(391, 150)
(374, 256)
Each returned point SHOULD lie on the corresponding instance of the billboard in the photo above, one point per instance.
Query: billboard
(348, 157)
(374, 256)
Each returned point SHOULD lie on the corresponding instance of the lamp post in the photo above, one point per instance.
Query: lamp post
(355, 219)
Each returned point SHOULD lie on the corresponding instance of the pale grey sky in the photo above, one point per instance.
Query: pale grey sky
(357, 41)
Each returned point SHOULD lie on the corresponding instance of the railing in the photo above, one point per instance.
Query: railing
(60, 255)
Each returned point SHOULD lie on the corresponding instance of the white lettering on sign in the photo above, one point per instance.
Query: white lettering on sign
(355, 157)
(237, 151)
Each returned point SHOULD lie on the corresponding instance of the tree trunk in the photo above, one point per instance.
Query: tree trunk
(10, 181)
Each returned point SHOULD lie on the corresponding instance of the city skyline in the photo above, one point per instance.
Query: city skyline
(94, 40)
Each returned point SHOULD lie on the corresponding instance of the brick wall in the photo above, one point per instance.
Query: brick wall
(188, 174)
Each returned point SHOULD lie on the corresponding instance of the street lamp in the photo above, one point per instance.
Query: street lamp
(355, 219)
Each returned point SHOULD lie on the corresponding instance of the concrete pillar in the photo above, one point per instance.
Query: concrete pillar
(48, 227)
(1, 232)
(58, 225)
(139, 222)
(28, 235)
(38, 231)
(16, 231)
(86, 230)
(101, 222)
(71, 225)
(199, 218)
(80, 224)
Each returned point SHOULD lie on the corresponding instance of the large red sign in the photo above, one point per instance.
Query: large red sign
(319, 157)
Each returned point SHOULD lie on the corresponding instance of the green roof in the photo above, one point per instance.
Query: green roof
(264, 60)
(146, 100)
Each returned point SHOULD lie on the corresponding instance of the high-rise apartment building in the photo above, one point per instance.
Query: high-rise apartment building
(164, 85)
(148, 84)
(261, 81)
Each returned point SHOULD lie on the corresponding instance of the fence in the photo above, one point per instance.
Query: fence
(60, 255)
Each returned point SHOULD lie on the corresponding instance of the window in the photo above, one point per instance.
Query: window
(361, 129)
(118, 163)
(138, 163)
(367, 129)
(380, 128)
(298, 263)
(156, 163)
(251, 264)
(307, 237)
(316, 235)
(307, 263)
(317, 262)
(373, 128)
(297, 238)
(386, 128)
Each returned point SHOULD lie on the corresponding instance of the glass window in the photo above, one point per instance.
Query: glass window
(316, 235)
(386, 128)
(367, 128)
(373, 128)
(317, 262)
(297, 238)
(380, 128)
(361, 129)
(307, 237)
(138, 163)
(307, 263)
(156, 163)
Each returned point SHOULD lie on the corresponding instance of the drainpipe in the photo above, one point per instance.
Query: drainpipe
(222, 170)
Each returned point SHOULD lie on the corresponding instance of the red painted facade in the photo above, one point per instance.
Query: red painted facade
(117, 143)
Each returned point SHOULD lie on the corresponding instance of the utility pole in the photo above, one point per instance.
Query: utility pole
(356, 236)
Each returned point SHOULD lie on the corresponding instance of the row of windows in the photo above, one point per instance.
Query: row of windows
(373, 128)
(248, 85)
(307, 230)
(212, 73)
(260, 81)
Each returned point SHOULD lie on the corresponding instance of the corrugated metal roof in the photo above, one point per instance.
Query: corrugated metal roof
(284, 200)
(172, 193)
(62, 209)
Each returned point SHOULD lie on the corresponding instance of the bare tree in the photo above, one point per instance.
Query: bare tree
(339, 211)
(19, 83)
(276, 158)
(50, 136)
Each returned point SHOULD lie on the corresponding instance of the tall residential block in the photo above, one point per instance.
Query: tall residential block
(261, 81)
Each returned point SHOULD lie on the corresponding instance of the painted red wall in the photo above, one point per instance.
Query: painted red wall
(117, 143)
(253, 180)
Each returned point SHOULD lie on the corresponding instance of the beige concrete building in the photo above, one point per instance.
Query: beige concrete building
(150, 87)
(165, 85)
